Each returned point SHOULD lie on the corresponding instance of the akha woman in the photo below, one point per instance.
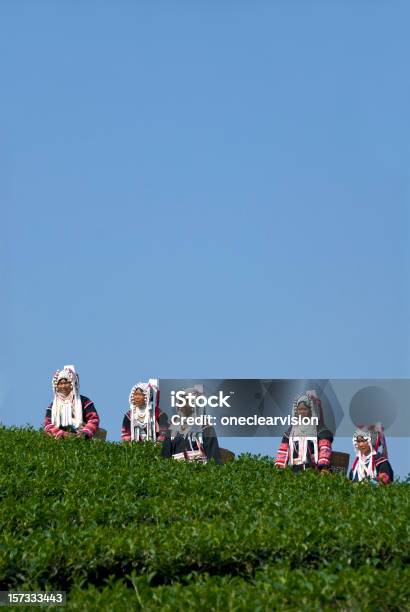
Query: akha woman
(189, 437)
(370, 464)
(144, 420)
(70, 414)
(307, 444)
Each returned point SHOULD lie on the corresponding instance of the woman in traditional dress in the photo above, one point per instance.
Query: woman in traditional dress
(371, 462)
(306, 445)
(144, 420)
(191, 442)
(70, 414)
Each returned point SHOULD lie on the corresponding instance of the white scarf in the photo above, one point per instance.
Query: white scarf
(364, 467)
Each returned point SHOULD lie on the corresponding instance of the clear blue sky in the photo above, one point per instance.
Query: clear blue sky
(201, 190)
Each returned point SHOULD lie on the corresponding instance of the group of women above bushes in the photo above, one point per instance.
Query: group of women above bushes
(303, 446)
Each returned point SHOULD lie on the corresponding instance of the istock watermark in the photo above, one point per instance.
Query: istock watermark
(257, 419)
(180, 399)
(205, 420)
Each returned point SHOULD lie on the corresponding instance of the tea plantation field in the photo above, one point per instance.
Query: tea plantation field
(119, 528)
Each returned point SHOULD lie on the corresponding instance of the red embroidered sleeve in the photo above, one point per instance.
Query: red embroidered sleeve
(51, 429)
(383, 478)
(92, 420)
(325, 453)
(126, 428)
(162, 427)
(282, 456)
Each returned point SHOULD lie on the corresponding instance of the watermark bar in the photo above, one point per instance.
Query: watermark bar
(32, 598)
(265, 407)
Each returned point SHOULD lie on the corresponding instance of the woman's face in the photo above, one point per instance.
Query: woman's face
(186, 410)
(363, 445)
(303, 410)
(138, 398)
(64, 387)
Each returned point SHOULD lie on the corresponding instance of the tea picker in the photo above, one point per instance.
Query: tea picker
(371, 463)
(70, 414)
(190, 438)
(307, 445)
(144, 421)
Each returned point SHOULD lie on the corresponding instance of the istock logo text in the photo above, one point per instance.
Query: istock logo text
(179, 399)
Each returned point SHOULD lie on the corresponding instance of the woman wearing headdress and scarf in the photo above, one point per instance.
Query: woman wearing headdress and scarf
(186, 442)
(70, 414)
(144, 420)
(306, 445)
(370, 464)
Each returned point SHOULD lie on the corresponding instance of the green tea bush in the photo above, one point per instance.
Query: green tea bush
(118, 527)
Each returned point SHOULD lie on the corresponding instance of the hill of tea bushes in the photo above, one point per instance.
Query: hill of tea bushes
(119, 528)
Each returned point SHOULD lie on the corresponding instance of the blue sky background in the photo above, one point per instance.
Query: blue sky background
(202, 190)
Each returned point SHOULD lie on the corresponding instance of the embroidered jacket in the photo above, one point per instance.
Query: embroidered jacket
(324, 440)
(91, 421)
(193, 446)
